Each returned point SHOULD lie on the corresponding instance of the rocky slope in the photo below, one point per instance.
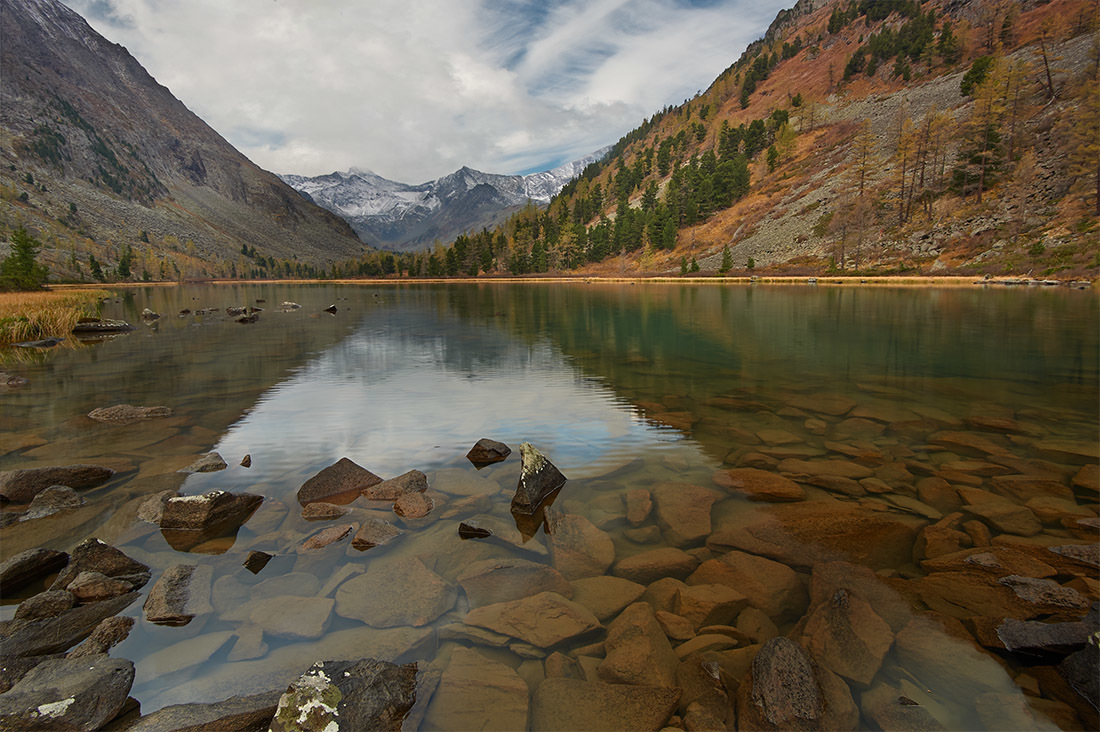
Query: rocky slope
(406, 217)
(96, 155)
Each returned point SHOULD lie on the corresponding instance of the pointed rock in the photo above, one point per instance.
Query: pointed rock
(28, 566)
(538, 479)
(846, 636)
(341, 482)
(209, 463)
(577, 548)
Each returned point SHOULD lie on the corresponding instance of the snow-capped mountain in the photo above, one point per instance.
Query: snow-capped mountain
(405, 217)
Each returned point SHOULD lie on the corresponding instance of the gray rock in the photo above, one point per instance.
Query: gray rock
(289, 616)
(1044, 639)
(487, 452)
(109, 633)
(782, 691)
(537, 480)
(94, 326)
(239, 713)
(209, 463)
(390, 490)
(28, 566)
(20, 486)
(343, 481)
(349, 695)
(209, 511)
(126, 414)
(181, 593)
(570, 704)
(59, 633)
(48, 604)
(53, 500)
(68, 694)
(92, 555)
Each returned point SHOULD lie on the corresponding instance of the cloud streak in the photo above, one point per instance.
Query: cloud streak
(415, 90)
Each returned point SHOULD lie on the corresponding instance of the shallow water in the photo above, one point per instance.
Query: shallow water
(622, 386)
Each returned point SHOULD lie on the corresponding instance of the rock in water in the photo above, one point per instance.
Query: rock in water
(208, 463)
(782, 690)
(28, 566)
(487, 452)
(347, 695)
(340, 482)
(181, 593)
(20, 486)
(68, 694)
(209, 510)
(538, 479)
(125, 413)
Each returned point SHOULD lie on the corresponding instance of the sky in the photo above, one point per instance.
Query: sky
(415, 89)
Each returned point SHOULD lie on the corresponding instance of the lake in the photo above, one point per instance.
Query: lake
(883, 475)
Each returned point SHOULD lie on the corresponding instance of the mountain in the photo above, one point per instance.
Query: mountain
(856, 137)
(405, 217)
(96, 156)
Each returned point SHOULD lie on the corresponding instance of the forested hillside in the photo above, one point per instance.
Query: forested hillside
(858, 136)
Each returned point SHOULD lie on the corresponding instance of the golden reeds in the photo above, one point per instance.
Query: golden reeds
(28, 316)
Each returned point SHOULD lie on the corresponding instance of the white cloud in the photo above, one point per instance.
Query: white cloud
(414, 90)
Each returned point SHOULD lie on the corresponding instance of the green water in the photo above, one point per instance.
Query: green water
(622, 386)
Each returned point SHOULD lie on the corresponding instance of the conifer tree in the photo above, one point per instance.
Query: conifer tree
(727, 260)
(20, 270)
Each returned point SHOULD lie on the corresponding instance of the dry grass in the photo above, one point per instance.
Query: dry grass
(28, 316)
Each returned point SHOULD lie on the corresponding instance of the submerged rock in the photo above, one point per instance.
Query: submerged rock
(571, 704)
(759, 485)
(340, 482)
(375, 532)
(476, 692)
(502, 580)
(68, 694)
(208, 463)
(20, 486)
(543, 620)
(577, 548)
(538, 479)
(394, 593)
(55, 499)
(487, 452)
(846, 636)
(782, 691)
(126, 414)
(638, 652)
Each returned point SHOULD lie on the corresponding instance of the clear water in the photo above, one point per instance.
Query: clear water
(621, 386)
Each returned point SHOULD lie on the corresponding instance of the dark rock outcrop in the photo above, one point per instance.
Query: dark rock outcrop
(94, 556)
(28, 566)
(59, 633)
(20, 486)
(239, 713)
(487, 452)
(68, 694)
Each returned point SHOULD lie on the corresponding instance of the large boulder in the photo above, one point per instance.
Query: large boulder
(68, 694)
(20, 486)
(341, 482)
(393, 593)
(351, 695)
(538, 478)
(770, 586)
(561, 704)
(58, 633)
(181, 593)
(209, 511)
(846, 636)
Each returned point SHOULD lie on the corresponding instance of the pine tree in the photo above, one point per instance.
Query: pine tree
(95, 269)
(19, 270)
(727, 260)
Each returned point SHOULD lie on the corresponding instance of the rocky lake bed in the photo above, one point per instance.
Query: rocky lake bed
(720, 544)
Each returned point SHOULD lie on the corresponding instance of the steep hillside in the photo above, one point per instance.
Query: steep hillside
(846, 140)
(96, 156)
(405, 217)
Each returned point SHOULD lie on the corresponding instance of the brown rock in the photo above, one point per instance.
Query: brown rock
(838, 468)
(936, 541)
(55, 499)
(661, 595)
(487, 452)
(605, 596)
(48, 604)
(393, 593)
(759, 485)
(1088, 477)
(255, 561)
(543, 620)
(756, 625)
(938, 493)
(577, 548)
(771, 586)
(683, 512)
(321, 511)
(92, 555)
(676, 627)
(967, 443)
(831, 577)
(1006, 517)
(324, 538)
(837, 484)
(782, 691)
(413, 481)
(834, 405)
(538, 479)
(375, 532)
(638, 652)
(125, 414)
(211, 462)
(638, 504)
(476, 693)
(292, 617)
(1025, 487)
(1065, 451)
(109, 633)
(1052, 510)
(209, 512)
(93, 587)
(648, 567)
(413, 505)
(890, 710)
(493, 581)
(20, 486)
(181, 593)
(978, 532)
(846, 636)
(341, 482)
(709, 604)
(570, 704)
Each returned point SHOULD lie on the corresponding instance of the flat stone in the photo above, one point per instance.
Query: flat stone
(1052, 510)
(125, 413)
(577, 548)
(889, 709)
(393, 593)
(838, 468)
(709, 604)
(476, 693)
(705, 643)
(561, 704)
(295, 618)
(236, 713)
(638, 652)
(538, 479)
(834, 405)
(353, 695)
(647, 567)
(759, 485)
(967, 443)
(324, 538)
(676, 627)
(1067, 451)
(463, 482)
(1025, 487)
(70, 694)
(184, 654)
(1005, 517)
(20, 486)
(94, 587)
(53, 500)
(846, 636)
(413, 505)
(413, 481)
(487, 452)
(249, 644)
(48, 604)
(683, 512)
(543, 620)
(340, 482)
(29, 566)
(605, 596)
(494, 581)
(211, 462)
(766, 584)
(375, 532)
(181, 593)
(836, 484)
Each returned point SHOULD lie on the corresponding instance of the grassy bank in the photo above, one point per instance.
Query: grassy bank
(28, 316)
